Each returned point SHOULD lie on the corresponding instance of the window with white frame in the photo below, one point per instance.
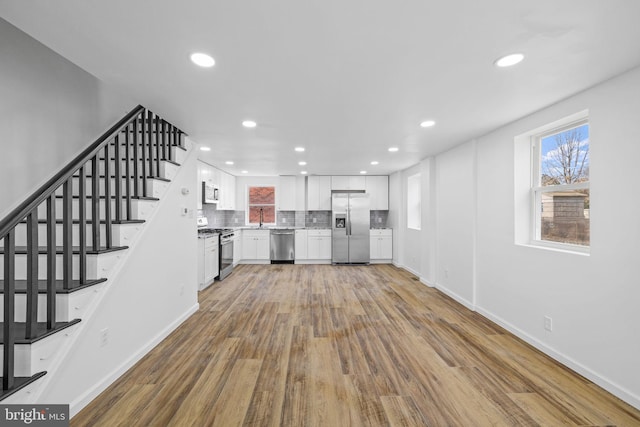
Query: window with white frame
(261, 205)
(560, 186)
(414, 203)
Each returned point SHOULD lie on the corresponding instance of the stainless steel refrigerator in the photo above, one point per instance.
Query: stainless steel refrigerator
(350, 227)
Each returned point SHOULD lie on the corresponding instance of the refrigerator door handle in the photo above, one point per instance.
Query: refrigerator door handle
(348, 221)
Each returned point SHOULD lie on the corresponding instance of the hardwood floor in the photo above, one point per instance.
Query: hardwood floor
(320, 345)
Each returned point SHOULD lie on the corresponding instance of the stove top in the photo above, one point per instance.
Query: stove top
(221, 231)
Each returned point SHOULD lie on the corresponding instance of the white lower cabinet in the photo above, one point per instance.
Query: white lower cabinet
(237, 247)
(208, 260)
(319, 245)
(381, 245)
(300, 243)
(255, 245)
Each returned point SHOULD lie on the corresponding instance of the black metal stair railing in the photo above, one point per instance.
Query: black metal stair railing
(117, 167)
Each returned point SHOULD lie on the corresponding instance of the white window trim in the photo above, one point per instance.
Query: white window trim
(249, 205)
(537, 190)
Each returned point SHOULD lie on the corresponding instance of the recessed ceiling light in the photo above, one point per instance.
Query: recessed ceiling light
(202, 60)
(303, 172)
(427, 123)
(363, 172)
(245, 171)
(509, 60)
(302, 163)
(393, 149)
(249, 124)
(228, 162)
(299, 149)
(374, 163)
(205, 148)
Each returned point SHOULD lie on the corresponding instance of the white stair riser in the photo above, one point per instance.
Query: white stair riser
(139, 208)
(101, 167)
(68, 306)
(34, 358)
(97, 265)
(121, 234)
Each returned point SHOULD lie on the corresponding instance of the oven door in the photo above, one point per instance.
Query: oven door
(226, 257)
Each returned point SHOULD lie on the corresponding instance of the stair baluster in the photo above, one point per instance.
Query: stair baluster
(32, 274)
(107, 197)
(9, 310)
(67, 224)
(51, 261)
(82, 224)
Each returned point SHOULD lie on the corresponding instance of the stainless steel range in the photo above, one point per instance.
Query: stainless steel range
(226, 251)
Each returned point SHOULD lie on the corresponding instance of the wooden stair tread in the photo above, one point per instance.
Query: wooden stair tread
(41, 331)
(75, 285)
(20, 383)
(42, 250)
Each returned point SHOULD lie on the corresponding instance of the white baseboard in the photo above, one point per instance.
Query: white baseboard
(78, 404)
(456, 297)
(606, 384)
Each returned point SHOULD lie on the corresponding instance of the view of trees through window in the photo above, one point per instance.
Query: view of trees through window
(564, 186)
(262, 205)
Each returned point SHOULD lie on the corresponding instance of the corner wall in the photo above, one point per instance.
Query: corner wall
(592, 299)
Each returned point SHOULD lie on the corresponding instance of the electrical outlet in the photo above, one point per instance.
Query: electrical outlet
(315, 220)
(379, 220)
(284, 220)
(446, 273)
(235, 220)
(104, 337)
(548, 323)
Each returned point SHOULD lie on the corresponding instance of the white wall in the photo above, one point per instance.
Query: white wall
(49, 111)
(154, 292)
(593, 299)
(455, 219)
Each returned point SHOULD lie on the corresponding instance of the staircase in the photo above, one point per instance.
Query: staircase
(63, 240)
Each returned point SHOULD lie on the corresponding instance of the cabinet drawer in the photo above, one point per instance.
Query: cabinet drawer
(319, 233)
(380, 232)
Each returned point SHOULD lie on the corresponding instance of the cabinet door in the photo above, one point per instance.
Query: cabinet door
(286, 193)
(324, 247)
(373, 247)
(385, 247)
(378, 189)
(263, 246)
(248, 247)
(340, 183)
(313, 247)
(237, 249)
(301, 244)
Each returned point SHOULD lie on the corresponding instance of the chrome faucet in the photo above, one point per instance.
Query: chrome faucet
(261, 217)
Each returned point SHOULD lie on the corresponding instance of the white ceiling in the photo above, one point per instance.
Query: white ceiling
(344, 78)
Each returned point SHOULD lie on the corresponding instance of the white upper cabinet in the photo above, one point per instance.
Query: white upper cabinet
(286, 193)
(318, 193)
(378, 189)
(348, 182)
(227, 189)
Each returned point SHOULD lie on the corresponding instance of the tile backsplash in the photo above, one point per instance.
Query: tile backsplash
(222, 219)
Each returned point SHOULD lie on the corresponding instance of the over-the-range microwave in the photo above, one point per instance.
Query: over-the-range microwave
(209, 193)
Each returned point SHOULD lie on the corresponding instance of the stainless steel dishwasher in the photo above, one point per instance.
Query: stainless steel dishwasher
(282, 246)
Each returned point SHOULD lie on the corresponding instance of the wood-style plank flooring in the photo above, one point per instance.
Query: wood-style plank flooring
(320, 345)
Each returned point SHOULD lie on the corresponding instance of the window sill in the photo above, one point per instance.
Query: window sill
(559, 247)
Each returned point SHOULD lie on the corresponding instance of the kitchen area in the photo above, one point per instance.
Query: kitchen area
(289, 220)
